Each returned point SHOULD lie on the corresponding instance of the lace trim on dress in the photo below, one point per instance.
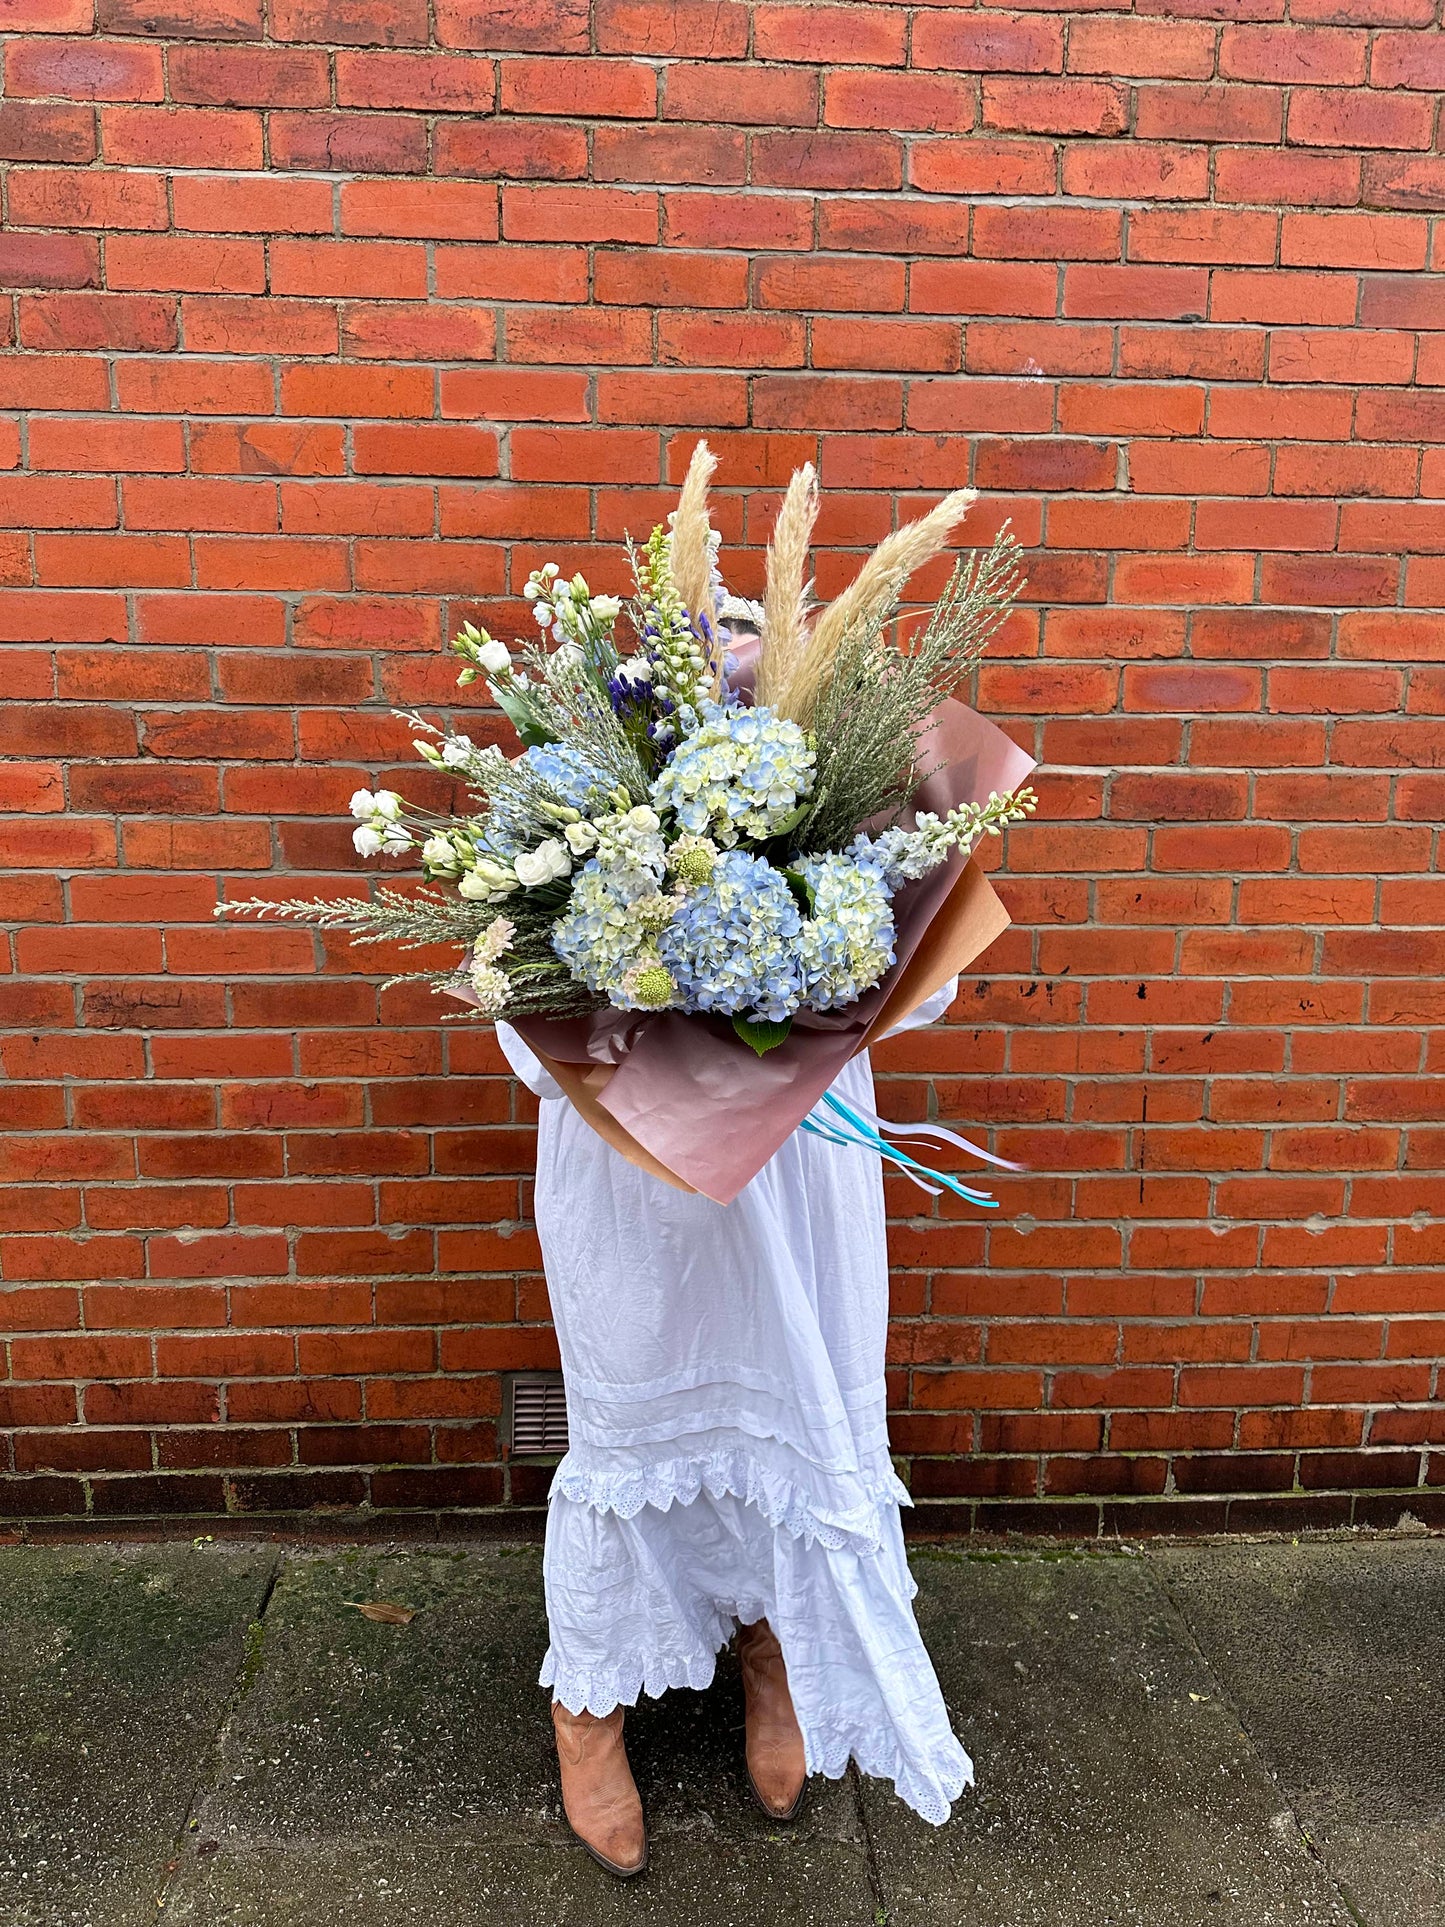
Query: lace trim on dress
(930, 1789)
(599, 1689)
(735, 1474)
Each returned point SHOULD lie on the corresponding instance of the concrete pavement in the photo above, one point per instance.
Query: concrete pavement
(1199, 1735)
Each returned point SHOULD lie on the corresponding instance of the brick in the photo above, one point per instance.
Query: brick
(1293, 56)
(823, 159)
(755, 96)
(1328, 117)
(248, 77)
(199, 19)
(915, 102)
(318, 141)
(867, 36)
(1055, 107)
(697, 29)
(94, 70)
(1149, 49)
(180, 137)
(30, 131)
(367, 23)
(49, 261)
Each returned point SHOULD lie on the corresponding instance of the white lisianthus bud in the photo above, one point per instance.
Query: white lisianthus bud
(367, 841)
(579, 587)
(498, 876)
(363, 804)
(428, 752)
(495, 657)
(581, 837)
(388, 804)
(543, 865)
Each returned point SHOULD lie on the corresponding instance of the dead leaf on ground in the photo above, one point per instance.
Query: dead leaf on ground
(385, 1611)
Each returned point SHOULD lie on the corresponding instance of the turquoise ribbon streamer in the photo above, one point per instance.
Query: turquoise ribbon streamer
(857, 1131)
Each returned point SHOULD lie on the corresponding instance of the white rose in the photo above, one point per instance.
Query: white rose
(363, 805)
(388, 804)
(581, 837)
(642, 818)
(367, 841)
(394, 842)
(606, 608)
(543, 865)
(494, 657)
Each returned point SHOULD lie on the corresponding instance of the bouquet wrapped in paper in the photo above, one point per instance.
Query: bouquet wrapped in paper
(735, 846)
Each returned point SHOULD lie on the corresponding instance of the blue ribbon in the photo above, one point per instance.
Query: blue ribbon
(855, 1130)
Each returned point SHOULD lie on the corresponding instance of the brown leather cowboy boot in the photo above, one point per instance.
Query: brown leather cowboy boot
(599, 1795)
(777, 1769)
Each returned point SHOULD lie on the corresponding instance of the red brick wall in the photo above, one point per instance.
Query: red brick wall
(329, 322)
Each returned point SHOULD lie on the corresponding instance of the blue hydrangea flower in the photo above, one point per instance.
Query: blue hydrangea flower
(577, 783)
(847, 942)
(508, 826)
(732, 943)
(742, 773)
(610, 924)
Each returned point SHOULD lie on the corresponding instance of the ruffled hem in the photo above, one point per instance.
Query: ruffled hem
(601, 1689)
(930, 1794)
(736, 1474)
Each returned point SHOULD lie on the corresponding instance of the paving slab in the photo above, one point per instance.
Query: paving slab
(1116, 1787)
(1334, 1655)
(401, 1775)
(116, 1667)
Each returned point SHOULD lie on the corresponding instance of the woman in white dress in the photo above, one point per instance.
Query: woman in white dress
(729, 1470)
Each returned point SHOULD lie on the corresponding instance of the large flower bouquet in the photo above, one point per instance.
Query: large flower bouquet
(716, 812)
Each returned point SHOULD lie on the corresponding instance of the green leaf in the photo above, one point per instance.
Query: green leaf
(801, 889)
(522, 716)
(786, 824)
(760, 1033)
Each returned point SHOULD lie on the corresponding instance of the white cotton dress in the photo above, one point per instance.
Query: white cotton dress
(728, 1441)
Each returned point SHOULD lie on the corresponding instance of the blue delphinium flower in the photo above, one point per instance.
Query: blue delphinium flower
(741, 773)
(732, 943)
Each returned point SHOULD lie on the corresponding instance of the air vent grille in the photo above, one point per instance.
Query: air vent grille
(537, 1414)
